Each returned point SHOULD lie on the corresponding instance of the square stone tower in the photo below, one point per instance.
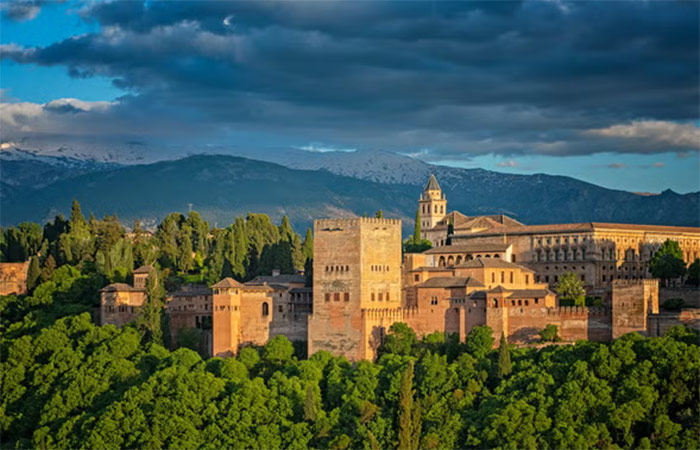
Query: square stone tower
(632, 302)
(357, 265)
(226, 317)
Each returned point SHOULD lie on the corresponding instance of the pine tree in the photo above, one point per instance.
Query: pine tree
(504, 365)
(33, 273)
(77, 220)
(409, 423)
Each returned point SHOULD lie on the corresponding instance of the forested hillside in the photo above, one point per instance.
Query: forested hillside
(67, 383)
(70, 384)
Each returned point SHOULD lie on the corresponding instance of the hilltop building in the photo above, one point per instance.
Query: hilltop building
(484, 270)
(599, 253)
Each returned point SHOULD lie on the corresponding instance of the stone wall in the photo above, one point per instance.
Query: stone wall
(255, 317)
(291, 314)
(632, 302)
(658, 324)
(522, 325)
(13, 278)
(120, 307)
(690, 295)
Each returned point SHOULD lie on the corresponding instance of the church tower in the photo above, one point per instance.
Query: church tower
(432, 206)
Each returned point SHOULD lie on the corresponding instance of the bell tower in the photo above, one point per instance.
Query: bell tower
(432, 206)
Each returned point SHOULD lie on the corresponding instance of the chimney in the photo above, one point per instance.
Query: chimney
(275, 272)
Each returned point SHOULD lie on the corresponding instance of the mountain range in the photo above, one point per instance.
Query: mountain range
(307, 185)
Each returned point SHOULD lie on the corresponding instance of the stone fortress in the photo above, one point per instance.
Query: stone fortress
(484, 270)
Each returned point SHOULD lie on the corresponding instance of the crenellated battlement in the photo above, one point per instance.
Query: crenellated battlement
(639, 282)
(562, 312)
(330, 223)
(397, 314)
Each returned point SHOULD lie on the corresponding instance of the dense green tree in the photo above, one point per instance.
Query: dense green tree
(479, 341)
(667, 263)
(400, 340)
(379, 214)
(570, 289)
(550, 333)
(504, 367)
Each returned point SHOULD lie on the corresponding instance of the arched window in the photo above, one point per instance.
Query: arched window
(442, 261)
(265, 309)
(450, 261)
(495, 303)
(459, 260)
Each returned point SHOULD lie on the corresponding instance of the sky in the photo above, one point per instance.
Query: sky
(603, 91)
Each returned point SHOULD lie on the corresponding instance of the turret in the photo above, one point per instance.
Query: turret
(432, 206)
(226, 317)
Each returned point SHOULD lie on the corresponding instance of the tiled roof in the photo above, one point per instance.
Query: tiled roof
(432, 184)
(120, 287)
(498, 290)
(490, 263)
(468, 247)
(578, 227)
(530, 293)
(144, 269)
(227, 282)
(448, 282)
(303, 290)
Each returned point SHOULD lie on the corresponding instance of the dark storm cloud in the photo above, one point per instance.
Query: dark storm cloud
(458, 77)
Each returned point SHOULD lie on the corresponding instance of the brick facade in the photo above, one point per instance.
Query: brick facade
(13, 278)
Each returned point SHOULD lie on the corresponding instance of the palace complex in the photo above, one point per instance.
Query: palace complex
(483, 270)
(598, 252)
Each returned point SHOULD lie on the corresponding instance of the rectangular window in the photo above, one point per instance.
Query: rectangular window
(372, 296)
(336, 297)
(346, 296)
(381, 296)
(511, 277)
(387, 296)
(328, 297)
(527, 279)
(280, 308)
(416, 277)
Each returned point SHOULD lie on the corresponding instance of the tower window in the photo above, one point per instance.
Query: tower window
(265, 309)
(346, 296)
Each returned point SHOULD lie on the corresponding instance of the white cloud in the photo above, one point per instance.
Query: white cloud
(509, 163)
(673, 134)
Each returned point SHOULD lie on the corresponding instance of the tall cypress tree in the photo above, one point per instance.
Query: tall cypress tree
(416, 228)
(33, 273)
(409, 423)
(504, 365)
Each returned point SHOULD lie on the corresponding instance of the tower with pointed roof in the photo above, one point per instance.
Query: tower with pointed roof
(432, 206)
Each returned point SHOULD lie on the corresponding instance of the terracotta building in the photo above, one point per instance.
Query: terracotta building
(598, 252)
(232, 314)
(120, 302)
(13, 278)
